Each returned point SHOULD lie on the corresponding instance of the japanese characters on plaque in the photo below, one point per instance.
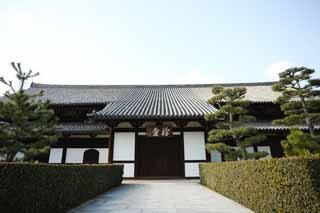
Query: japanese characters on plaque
(159, 131)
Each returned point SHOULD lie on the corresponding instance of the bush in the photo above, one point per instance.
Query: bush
(26, 187)
(274, 185)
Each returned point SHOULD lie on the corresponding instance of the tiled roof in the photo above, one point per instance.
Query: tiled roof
(269, 126)
(102, 128)
(156, 102)
(82, 128)
(92, 94)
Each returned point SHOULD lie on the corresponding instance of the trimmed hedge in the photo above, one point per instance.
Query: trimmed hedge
(274, 185)
(26, 187)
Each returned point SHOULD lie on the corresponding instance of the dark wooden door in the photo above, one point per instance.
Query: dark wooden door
(91, 156)
(159, 157)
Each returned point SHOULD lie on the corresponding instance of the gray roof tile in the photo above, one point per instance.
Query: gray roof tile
(148, 101)
(87, 94)
(82, 128)
(270, 126)
(156, 102)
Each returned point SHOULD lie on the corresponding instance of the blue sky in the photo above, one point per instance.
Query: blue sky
(158, 42)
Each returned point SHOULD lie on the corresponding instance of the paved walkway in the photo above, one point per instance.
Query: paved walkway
(146, 196)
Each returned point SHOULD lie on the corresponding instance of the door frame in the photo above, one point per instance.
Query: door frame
(181, 157)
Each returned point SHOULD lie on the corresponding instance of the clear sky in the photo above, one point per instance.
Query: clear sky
(158, 42)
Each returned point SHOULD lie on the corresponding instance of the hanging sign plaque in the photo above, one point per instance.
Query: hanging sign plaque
(159, 131)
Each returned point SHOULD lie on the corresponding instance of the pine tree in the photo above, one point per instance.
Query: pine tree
(28, 125)
(301, 105)
(299, 143)
(299, 97)
(230, 117)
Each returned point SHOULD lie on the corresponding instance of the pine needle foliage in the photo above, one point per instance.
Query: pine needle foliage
(28, 125)
(300, 103)
(229, 118)
(300, 144)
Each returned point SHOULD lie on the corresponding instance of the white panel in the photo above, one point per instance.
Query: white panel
(123, 148)
(55, 155)
(215, 156)
(194, 146)
(19, 156)
(128, 169)
(191, 169)
(2, 157)
(250, 149)
(75, 155)
(265, 149)
(103, 155)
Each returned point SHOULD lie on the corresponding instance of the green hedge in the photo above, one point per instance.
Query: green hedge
(47, 188)
(274, 185)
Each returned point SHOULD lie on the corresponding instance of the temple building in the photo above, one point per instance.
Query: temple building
(154, 130)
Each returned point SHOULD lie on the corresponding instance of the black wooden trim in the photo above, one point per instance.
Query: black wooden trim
(136, 164)
(189, 129)
(123, 161)
(81, 142)
(158, 178)
(155, 119)
(182, 153)
(132, 129)
(195, 161)
(175, 129)
(64, 153)
(111, 143)
(83, 145)
(208, 154)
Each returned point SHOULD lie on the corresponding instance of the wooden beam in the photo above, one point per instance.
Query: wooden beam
(64, 152)
(111, 143)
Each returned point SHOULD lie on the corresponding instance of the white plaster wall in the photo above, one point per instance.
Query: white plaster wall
(124, 146)
(18, 157)
(215, 156)
(2, 157)
(194, 146)
(265, 149)
(128, 169)
(191, 169)
(103, 155)
(75, 155)
(250, 149)
(55, 155)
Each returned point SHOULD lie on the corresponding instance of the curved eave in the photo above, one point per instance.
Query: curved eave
(123, 118)
(58, 104)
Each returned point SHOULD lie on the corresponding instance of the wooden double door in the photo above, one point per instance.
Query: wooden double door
(159, 157)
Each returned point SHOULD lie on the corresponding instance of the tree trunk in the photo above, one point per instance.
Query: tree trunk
(307, 119)
(306, 111)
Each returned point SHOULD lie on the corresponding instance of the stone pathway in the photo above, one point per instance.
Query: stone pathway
(146, 196)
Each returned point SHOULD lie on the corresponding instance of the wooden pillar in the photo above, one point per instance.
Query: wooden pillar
(209, 126)
(182, 153)
(64, 151)
(208, 154)
(136, 124)
(136, 152)
(110, 147)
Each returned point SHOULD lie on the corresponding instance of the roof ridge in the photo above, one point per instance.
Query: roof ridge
(40, 85)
